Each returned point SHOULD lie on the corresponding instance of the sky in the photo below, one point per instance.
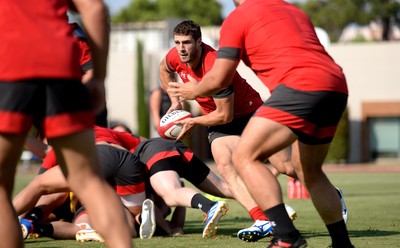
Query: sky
(116, 5)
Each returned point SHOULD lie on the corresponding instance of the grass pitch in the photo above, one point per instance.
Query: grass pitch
(373, 202)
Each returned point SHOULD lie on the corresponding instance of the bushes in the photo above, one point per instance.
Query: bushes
(339, 149)
(142, 106)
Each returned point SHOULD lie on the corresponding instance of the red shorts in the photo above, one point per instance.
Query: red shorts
(57, 107)
(312, 115)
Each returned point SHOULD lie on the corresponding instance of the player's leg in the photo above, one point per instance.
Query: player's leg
(211, 184)
(167, 185)
(77, 152)
(68, 125)
(222, 149)
(178, 221)
(10, 150)
(282, 162)
(255, 146)
(45, 206)
(324, 195)
(51, 181)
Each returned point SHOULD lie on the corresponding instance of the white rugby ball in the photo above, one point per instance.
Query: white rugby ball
(167, 129)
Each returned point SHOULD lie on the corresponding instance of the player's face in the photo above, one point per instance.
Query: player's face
(188, 49)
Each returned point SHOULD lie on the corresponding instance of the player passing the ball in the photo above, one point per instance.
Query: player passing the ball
(226, 112)
(308, 96)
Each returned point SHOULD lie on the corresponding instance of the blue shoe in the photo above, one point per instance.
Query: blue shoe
(259, 230)
(213, 216)
(344, 208)
(26, 226)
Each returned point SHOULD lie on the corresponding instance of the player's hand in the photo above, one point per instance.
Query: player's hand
(175, 106)
(97, 93)
(185, 91)
(187, 128)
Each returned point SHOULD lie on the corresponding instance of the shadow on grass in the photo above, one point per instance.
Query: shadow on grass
(354, 234)
(226, 227)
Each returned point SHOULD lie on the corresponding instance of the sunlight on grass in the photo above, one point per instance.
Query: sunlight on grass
(373, 201)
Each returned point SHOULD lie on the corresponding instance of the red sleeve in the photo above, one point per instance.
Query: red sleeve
(50, 160)
(232, 31)
(85, 56)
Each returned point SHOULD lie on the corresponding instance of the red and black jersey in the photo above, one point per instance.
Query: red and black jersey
(278, 42)
(124, 139)
(246, 100)
(37, 41)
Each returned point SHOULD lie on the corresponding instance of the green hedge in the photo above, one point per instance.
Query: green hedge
(142, 106)
(339, 149)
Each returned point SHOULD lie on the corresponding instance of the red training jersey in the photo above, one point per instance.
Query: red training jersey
(246, 99)
(36, 41)
(124, 139)
(278, 42)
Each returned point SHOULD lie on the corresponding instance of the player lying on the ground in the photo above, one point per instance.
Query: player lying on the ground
(132, 170)
(116, 162)
(167, 161)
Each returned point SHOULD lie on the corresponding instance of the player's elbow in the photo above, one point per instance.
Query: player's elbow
(228, 116)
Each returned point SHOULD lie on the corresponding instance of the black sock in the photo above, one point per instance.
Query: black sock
(339, 234)
(35, 215)
(137, 225)
(43, 229)
(282, 224)
(199, 201)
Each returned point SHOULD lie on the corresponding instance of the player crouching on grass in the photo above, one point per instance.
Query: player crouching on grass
(116, 160)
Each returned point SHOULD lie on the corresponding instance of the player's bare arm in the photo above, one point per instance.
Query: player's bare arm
(217, 78)
(167, 76)
(221, 115)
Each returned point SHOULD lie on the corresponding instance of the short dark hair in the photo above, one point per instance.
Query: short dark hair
(188, 27)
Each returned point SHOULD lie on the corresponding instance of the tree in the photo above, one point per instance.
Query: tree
(334, 15)
(388, 12)
(204, 12)
(142, 106)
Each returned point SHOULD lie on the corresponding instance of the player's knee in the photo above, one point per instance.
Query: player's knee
(238, 160)
(224, 167)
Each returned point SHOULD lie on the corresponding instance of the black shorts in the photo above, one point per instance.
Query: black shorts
(235, 127)
(57, 107)
(312, 115)
(159, 154)
(121, 170)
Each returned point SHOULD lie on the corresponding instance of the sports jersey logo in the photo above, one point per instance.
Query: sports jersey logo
(182, 74)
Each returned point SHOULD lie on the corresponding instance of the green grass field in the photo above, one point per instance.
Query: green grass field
(373, 201)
